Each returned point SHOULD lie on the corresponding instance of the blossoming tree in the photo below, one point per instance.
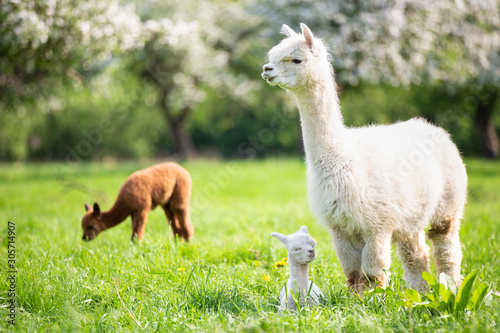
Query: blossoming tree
(451, 43)
(57, 39)
(186, 52)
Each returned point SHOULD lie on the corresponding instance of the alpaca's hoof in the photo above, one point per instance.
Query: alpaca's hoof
(359, 283)
(368, 282)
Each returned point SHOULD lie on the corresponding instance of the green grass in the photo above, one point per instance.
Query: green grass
(225, 280)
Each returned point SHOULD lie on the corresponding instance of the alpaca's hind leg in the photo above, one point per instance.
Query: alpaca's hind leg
(174, 222)
(183, 220)
(179, 206)
(414, 254)
(447, 249)
(376, 259)
(349, 254)
(139, 220)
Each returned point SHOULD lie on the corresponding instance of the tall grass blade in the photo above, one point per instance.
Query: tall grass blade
(478, 296)
(189, 278)
(464, 293)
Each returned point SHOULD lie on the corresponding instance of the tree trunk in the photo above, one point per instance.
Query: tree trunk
(484, 121)
(182, 139)
(183, 144)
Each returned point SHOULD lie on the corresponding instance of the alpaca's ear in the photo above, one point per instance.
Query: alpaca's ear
(303, 229)
(287, 31)
(97, 210)
(87, 207)
(282, 238)
(308, 35)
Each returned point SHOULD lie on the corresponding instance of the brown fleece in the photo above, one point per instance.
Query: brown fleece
(440, 230)
(166, 184)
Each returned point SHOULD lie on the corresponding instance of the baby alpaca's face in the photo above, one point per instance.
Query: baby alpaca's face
(91, 222)
(301, 247)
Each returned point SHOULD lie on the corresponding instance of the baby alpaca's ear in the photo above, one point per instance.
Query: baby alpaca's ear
(87, 207)
(303, 229)
(97, 210)
(282, 238)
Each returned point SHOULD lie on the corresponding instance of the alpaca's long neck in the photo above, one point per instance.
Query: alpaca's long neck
(116, 214)
(299, 275)
(322, 123)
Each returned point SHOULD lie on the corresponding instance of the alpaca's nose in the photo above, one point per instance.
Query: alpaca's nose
(268, 67)
(311, 252)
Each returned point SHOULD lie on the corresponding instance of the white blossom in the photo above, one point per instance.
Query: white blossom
(403, 41)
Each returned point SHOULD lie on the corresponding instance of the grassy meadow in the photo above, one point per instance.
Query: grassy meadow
(226, 279)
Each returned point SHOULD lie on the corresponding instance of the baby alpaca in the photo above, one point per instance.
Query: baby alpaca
(165, 184)
(300, 248)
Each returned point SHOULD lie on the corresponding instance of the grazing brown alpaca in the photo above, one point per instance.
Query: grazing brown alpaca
(165, 184)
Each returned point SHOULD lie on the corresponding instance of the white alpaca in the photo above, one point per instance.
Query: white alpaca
(375, 184)
(301, 253)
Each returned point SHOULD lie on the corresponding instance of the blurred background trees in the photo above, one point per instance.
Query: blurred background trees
(186, 56)
(451, 49)
(46, 46)
(132, 79)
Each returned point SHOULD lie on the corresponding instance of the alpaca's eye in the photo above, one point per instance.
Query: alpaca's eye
(297, 249)
(90, 227)
(297, 61)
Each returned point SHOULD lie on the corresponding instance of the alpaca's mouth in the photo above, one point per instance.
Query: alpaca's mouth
(268, 77)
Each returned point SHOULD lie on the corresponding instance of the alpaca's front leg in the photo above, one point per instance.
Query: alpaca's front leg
(139, 220)
(349, 251)
(375, 259)
(414, 254)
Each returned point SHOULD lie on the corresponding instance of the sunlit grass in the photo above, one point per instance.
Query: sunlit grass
(227, 278)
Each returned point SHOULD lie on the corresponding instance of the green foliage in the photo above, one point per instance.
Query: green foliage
(92, 121)
(445, 299)
(220, 125)
(231, 129)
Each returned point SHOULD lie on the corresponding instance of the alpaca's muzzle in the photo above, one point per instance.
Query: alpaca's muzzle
(266, 75)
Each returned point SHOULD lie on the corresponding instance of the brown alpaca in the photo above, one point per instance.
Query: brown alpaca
(165, 184)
